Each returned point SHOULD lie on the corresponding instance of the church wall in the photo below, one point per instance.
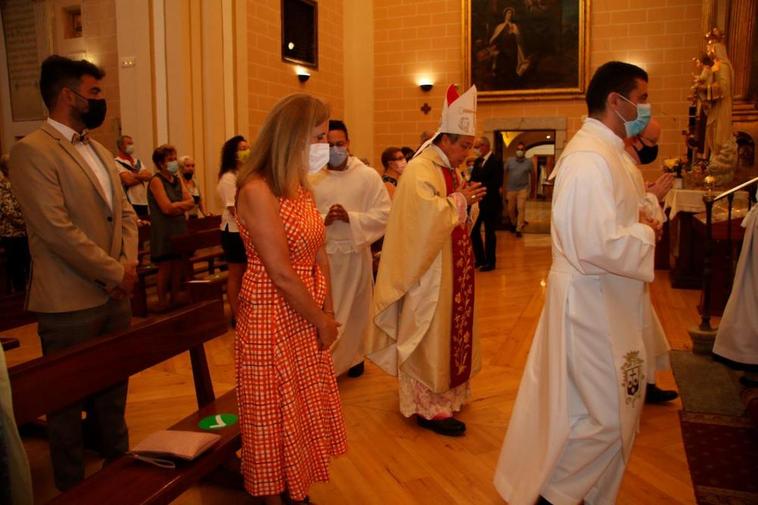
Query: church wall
(270, 78)
(415, 39)
(99, 41)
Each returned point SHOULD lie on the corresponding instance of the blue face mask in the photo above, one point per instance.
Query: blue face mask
(635, 127)
(172, 167)
(337, 156)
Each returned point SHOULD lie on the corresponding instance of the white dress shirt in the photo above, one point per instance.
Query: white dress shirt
(90, 157)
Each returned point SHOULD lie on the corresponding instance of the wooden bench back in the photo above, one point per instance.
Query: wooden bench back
(52, 382)
(203, 223)
(187, 244)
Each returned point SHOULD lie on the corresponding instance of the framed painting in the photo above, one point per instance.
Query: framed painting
(526, 49)
(300, 32)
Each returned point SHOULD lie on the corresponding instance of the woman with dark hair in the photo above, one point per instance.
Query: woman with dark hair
(393, 161)
(168, 200)
(234, 154)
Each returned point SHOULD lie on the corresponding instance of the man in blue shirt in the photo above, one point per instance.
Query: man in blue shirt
(518, 170)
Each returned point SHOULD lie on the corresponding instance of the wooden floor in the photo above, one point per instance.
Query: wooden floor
(392, 461)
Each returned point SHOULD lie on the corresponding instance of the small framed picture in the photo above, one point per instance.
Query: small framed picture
(300, 32)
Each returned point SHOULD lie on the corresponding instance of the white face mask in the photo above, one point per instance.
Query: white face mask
(318, 156)
(129, 149)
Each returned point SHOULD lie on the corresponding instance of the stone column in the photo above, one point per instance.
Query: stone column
(739, 42)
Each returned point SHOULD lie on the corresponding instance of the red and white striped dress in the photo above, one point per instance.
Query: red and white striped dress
(289, 405)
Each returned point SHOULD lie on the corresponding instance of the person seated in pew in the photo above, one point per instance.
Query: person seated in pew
(13, 233)
(169, 200)
(83, 242)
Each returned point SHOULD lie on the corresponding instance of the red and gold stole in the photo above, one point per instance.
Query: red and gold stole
(462, 321)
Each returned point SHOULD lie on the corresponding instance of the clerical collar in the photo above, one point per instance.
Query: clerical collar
(442, 155)
(600, 129)
(486, 157)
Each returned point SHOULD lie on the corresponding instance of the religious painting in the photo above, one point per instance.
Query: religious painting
(521, 49)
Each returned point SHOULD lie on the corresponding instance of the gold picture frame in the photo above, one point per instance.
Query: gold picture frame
(534, 50)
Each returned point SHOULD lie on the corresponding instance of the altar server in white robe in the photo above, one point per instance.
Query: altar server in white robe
(737, 337)
(577, 409)
(355, 205)
(643, 150)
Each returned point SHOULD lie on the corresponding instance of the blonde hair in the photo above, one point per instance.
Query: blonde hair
(183, 160)
(280, 153)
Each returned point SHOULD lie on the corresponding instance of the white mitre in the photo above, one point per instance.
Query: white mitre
(458, 115)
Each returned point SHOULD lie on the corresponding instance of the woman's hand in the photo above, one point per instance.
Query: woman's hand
(328, 331)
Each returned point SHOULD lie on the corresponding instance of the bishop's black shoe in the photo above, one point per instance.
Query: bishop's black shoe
(449, 427)
(656, 395)
(356, 371)
(542, 501)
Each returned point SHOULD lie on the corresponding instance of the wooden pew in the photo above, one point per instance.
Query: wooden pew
(200, 246)
(77, 372)
(203, 237)
(203, 223)
(14, 314)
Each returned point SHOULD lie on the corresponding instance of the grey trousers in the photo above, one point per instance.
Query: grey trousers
(105, 409)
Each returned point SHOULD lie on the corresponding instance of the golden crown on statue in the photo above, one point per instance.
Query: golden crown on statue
(714, 36)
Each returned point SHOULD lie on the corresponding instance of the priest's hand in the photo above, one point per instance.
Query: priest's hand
(656, 225)
(661, 186)
(473, 192)
(336, 213)
(327, 331)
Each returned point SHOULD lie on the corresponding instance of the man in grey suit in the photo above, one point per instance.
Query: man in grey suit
(83, 242)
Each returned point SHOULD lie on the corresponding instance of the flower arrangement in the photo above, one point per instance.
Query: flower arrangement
(675, 166)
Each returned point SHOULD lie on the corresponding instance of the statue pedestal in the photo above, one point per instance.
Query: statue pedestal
(702, 340)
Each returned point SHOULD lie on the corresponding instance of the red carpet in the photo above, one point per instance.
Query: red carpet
(722, 452)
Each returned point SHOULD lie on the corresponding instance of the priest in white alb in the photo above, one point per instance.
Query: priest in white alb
(355, 205)
(737, 336)
(578, 405)
(424, 297)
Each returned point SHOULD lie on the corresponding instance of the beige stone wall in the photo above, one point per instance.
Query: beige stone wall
(416, 38)
(270, 78)
(99, 34)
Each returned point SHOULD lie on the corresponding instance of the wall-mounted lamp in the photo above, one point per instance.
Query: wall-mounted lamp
(302, 74)
(426, 85)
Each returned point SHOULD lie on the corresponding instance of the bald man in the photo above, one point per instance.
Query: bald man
(643, 150)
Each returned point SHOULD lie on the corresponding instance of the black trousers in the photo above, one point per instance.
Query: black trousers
(484, 253)
(105, 409)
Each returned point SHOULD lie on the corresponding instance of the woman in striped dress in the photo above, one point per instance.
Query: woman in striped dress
(290, 413)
